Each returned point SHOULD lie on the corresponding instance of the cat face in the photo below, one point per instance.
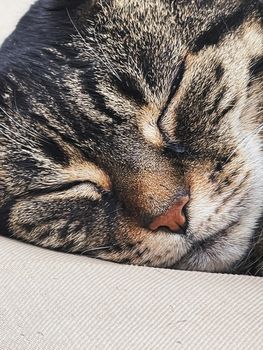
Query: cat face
(164, 167)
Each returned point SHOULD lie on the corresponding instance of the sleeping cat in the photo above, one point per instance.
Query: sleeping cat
(131, 131)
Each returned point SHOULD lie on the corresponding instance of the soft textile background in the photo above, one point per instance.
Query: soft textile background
(10, 12)
(54, 301)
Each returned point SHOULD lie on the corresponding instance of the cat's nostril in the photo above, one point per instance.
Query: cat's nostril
(174, 218)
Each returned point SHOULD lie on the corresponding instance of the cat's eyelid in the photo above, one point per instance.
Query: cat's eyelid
(178, 78)
(179, 74)
(176, 147)
(87, 172)
(77, 189)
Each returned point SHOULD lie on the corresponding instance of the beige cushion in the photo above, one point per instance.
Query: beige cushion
(10, 13)
(55, 301)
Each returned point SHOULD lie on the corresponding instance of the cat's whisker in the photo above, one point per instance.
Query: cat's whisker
(257, 238)
(259, 268)
(251, 264)
(98, 249)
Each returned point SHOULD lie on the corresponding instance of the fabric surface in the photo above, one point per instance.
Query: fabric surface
(10, 12)
(55, 301)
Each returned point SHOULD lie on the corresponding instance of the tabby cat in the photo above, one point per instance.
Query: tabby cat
(131, 131)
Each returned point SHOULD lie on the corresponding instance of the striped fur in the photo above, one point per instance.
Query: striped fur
(111, 109)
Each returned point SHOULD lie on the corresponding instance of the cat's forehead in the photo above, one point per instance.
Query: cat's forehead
(154, 35)
(183, 18)
(144, 42)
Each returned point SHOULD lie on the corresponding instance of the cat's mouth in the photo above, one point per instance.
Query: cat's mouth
(217, 253)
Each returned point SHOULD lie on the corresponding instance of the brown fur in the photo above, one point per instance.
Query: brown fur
(129, 106)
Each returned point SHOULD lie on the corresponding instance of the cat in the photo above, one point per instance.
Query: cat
(131, 131)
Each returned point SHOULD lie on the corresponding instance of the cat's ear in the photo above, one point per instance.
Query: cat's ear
(60, 4)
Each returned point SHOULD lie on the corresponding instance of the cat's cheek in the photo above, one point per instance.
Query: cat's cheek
(222, 255)
(218, 252)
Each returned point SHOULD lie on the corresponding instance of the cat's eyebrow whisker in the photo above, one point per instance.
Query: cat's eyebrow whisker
(7, 136)
(28, 148)
(30, 132)
(107, 63)
(106, 58)
(9, 131)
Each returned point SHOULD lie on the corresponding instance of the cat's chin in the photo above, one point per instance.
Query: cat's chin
(221, 256)
(218, 252)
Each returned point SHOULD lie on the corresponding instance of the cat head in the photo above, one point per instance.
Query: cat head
(166, 105)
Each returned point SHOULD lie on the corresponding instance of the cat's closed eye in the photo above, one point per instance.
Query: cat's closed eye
(177, 148)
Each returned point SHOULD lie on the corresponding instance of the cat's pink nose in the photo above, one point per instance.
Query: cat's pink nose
(174, 219)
